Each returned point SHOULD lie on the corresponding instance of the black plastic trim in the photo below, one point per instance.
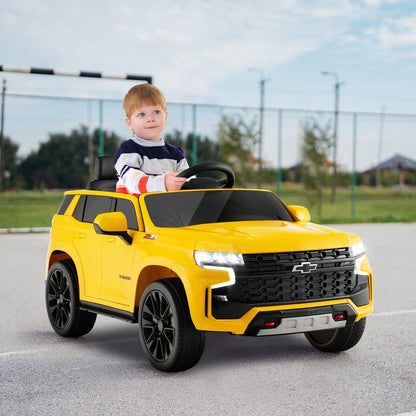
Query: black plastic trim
(361, 294)
(258, 321)
(227, 309)
(108, 311)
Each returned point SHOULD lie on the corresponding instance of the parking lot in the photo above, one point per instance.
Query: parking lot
(106, 373)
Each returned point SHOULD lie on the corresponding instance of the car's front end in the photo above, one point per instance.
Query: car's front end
(264, 276)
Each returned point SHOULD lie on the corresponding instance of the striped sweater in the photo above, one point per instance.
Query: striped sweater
(141, 165)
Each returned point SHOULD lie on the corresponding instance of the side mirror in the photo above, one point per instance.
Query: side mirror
(300, 213)
(112, 223)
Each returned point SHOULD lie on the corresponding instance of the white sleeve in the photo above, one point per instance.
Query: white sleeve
(133, 179)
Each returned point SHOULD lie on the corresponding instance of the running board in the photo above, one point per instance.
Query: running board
(108, 311)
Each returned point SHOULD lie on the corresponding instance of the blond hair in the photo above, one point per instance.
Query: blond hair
(143, 94)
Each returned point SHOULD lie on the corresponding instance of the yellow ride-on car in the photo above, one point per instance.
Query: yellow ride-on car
(208, 258)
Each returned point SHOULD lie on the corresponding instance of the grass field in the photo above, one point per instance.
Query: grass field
(371, 205)
(28, 209)
(36, 209)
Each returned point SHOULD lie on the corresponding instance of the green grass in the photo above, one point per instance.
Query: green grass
(36, 209)
(28, 209)
(371, 205)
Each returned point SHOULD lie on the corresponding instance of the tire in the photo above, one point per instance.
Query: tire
(62, 302)
(167, 335)
(337, 340)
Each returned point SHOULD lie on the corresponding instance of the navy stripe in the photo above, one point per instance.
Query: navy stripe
(124, 170)
(167, 151)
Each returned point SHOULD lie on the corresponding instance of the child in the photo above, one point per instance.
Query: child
(145, 163)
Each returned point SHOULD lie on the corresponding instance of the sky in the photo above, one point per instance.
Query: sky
(216, 51)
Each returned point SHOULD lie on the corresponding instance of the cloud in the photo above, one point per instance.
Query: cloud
(190, 47)
(198, 44)
(392, 33)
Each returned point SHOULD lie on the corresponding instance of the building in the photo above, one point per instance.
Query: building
(398, 164)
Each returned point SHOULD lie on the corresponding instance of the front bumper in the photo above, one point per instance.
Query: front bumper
(225, 311)
(301, 320)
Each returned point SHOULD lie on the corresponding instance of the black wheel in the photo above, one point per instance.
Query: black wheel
(167, 334)
(336, 340)
(62, 302)
(204, 183)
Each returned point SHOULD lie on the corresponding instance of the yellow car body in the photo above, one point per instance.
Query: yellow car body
(113, 274)
(229, 260)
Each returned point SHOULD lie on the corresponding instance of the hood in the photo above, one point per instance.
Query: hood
(264, 236)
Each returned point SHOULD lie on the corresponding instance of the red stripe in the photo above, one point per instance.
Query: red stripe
(143, 184)
(124, 190)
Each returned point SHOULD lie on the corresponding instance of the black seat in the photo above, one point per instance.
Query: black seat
(105, 175)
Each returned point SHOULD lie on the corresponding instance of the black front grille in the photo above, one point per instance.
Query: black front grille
(293, 277)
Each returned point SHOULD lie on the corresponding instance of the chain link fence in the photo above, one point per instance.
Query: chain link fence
(364, 139)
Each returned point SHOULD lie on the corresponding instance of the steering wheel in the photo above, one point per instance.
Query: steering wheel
(206, 183)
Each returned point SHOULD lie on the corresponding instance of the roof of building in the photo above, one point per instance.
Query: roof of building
(396, 162)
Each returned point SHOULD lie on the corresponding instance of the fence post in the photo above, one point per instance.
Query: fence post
(354, 162)
(279, 155)
(194, 141)
(2, 159)
(100, 130)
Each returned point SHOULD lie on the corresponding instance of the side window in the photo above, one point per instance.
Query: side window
(89, 206)
(127, 208)
(96, 205)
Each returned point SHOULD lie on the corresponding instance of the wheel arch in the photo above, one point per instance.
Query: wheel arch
(58, 255)
(150, 274)
(62, 255)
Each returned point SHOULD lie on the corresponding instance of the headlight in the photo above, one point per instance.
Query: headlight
(212, 258)
(357, 250)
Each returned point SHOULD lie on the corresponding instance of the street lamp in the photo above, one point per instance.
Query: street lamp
(334, 174)
(262, 82)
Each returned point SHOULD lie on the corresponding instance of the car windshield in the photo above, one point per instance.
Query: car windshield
(181, 209)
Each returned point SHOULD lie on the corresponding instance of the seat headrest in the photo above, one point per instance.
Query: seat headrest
(104, 168)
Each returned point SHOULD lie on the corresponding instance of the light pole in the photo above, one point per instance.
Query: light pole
(2, 158)
(262, 82)
(334, 161)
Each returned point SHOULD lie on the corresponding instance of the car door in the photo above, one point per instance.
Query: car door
(118, 276)
(88, 243)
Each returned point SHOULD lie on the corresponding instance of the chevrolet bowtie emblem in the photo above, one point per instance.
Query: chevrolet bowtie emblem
(305, 267)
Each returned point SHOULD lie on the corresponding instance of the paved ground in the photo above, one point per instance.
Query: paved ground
(106, 373)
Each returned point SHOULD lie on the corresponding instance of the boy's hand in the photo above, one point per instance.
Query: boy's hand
(172, 182)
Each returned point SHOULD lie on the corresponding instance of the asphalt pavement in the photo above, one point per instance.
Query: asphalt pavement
(106, 373)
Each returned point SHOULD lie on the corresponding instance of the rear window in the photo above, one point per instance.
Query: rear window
(182, 209)
(65, 204)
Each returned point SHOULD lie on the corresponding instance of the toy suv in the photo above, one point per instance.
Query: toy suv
(209, 258)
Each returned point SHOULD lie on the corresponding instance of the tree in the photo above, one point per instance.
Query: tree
(62, 161)
(316, 145)
(10, 163)
(237, 139)
(207, 149)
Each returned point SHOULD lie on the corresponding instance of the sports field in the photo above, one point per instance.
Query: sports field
(36, 209)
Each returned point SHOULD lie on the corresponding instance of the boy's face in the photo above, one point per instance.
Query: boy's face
(147, 121)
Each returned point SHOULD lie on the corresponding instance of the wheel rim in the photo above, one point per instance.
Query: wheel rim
(323, 337)
(158, 326)
(59, 300)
